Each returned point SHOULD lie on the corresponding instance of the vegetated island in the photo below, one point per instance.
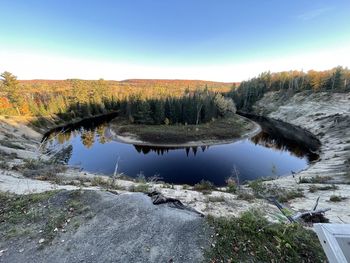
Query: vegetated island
(196, 119)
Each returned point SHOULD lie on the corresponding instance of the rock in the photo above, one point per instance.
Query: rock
(41, 240)
(2, 251)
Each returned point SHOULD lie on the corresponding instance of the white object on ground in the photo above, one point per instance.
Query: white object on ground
(335, 240)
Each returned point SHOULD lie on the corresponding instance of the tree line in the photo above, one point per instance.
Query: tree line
(291, 82)
(156, 101)
(193, 108)
(83, 98)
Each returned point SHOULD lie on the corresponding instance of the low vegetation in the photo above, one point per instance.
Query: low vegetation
(245, 195)
(262, 190)
(216, 199)
(251, 238)
(5, 158)
(41, 216)
(9, 144)
(142, 187)
(107, 183)
(314, 180)
(231, 185)
(204, 186)
(315, 188)
(336, 198)
(41, 169)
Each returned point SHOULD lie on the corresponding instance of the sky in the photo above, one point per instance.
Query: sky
(220, 40)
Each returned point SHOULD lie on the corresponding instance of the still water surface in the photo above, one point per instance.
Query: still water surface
(90, 146)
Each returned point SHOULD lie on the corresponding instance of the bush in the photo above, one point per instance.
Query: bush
(314, 180)
(108, 183)
(260, 190)
(231, 185)
(243, 195)
(143, 188)
(336, 198)
(204, 186)
(314, 188)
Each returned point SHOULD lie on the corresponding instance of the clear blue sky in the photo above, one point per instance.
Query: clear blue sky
(175, 38)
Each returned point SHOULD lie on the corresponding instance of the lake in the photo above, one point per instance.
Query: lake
(89, 146)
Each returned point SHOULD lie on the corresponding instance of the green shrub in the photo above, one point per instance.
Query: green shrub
(336, 198)
(260, 190)
(314, 180)
(143, 188)
(231, 186)
(243, 195)
(314, 188)
(204, 186)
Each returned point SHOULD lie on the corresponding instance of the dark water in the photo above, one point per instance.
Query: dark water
(89, 146)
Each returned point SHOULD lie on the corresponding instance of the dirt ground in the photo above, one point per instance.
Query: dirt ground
(105, 228)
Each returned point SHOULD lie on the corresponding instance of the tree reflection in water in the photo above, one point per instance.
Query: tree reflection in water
(58, 141)
(161, 150)
(278, 142)
(266, 139)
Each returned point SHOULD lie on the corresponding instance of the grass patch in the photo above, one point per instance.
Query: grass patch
(107, 183)
(244, 195)
(204, 186)
(4, 165)
(4, 159)
(260, 190)
(16, 208)
(16, 231)
(336, 198)
(186, 187)
(314, 188)
(10, 144)
(231, 185)
(314, 180)
(46, 170)
(251, 238)
(143, 188)
(39, 215)
(140, 178)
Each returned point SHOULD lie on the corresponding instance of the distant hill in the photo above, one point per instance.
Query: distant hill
(92, 97)
(177, 82)
(38, 84)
